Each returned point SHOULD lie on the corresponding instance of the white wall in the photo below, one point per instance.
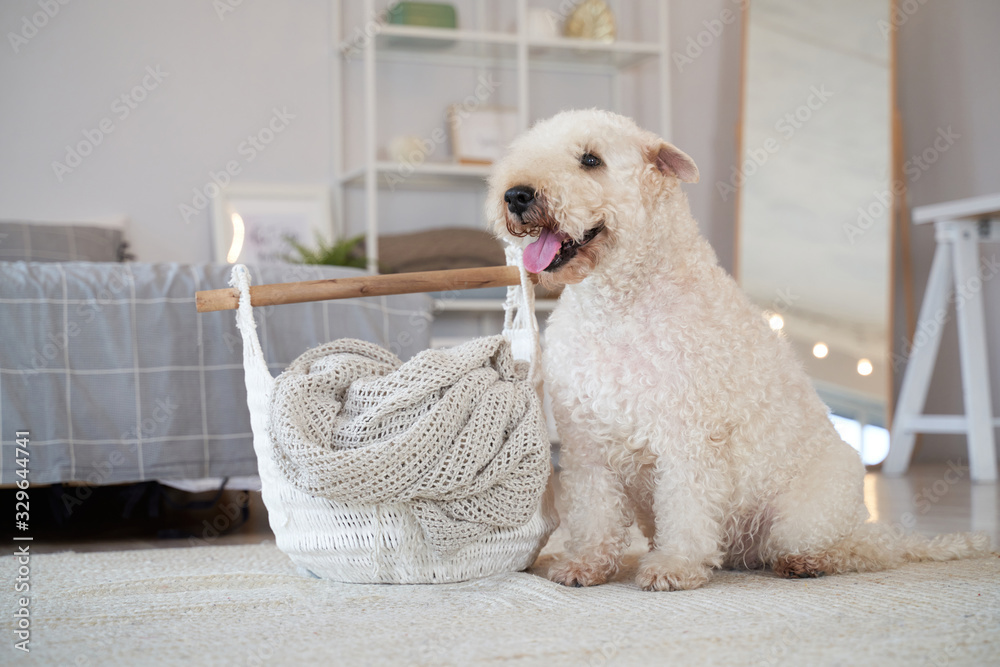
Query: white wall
(949, 75)
(706, 108)
(224, 76)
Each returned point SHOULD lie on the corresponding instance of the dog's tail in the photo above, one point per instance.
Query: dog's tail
(877, 546)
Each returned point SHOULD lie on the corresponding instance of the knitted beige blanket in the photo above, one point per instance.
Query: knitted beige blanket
(458, 434)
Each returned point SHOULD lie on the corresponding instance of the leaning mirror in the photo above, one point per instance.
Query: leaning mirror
(814, 204)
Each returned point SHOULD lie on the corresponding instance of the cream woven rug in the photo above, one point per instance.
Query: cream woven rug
(245, 605)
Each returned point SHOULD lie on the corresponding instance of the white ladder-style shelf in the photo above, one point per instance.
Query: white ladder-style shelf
(960, 226)
(482, 47)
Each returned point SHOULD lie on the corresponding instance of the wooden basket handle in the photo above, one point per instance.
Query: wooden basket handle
(208, 301)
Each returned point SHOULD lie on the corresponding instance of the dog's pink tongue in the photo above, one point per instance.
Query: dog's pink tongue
(540, 254)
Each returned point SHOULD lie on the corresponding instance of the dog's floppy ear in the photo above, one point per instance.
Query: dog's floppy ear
(672, 161)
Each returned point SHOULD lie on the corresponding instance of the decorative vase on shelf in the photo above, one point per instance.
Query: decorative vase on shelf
(594, 20)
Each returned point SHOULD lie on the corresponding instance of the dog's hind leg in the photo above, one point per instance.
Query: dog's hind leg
(819, 508)
(689, 498)
(820, 526)
(598, 516)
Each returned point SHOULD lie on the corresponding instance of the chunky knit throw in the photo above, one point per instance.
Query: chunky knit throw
(457, 434)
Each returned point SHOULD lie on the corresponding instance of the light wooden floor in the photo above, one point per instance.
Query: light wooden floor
(931, 499)
(934, 499)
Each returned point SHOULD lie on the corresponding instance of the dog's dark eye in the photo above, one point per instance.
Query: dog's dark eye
(590, 160)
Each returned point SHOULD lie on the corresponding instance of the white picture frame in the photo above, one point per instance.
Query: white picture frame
(481, 136)
(251, 222)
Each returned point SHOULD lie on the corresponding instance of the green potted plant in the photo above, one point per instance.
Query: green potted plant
(347, 252)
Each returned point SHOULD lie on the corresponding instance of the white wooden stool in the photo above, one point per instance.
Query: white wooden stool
(960, 226)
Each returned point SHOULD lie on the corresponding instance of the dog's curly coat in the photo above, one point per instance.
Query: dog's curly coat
(676, 404)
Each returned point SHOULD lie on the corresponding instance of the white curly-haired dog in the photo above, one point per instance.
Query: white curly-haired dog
(677, 406)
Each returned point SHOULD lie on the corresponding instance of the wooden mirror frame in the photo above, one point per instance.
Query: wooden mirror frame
(899, 213)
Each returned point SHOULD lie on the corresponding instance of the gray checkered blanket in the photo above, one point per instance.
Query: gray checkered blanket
(118, 379)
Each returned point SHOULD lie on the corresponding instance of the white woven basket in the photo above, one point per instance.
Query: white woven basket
(381, 543)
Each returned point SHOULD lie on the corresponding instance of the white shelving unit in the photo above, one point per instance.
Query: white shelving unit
(476, 48)
(443, 174)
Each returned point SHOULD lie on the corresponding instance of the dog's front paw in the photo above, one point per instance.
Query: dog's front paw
(579, 572)
(660, 572)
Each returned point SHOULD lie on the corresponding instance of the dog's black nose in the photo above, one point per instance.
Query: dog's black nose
(519, 198)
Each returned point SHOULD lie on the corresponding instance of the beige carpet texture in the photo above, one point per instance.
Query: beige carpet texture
(247, 605)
